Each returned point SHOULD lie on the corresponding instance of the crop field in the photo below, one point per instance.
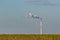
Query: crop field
(29, 37)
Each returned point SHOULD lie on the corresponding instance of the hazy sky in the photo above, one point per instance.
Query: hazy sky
(13, 19)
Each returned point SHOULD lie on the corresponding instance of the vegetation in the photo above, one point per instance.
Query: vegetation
(29, 37)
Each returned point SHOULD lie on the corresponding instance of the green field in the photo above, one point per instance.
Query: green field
(29, 37)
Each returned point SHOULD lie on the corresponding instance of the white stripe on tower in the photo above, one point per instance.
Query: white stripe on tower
(40, 25)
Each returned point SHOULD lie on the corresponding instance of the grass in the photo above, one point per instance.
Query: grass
(29, 37)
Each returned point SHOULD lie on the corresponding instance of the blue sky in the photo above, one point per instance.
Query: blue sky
(13, 19)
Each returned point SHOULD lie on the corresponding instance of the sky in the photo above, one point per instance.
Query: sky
(13, 17)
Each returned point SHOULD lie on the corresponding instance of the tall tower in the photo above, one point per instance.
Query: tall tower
(40, 25)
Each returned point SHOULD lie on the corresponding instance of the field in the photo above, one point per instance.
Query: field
(29, 37)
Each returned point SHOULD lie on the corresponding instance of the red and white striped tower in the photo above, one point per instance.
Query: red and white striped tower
(40, 25)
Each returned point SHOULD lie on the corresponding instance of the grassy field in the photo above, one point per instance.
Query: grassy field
(29, 37)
